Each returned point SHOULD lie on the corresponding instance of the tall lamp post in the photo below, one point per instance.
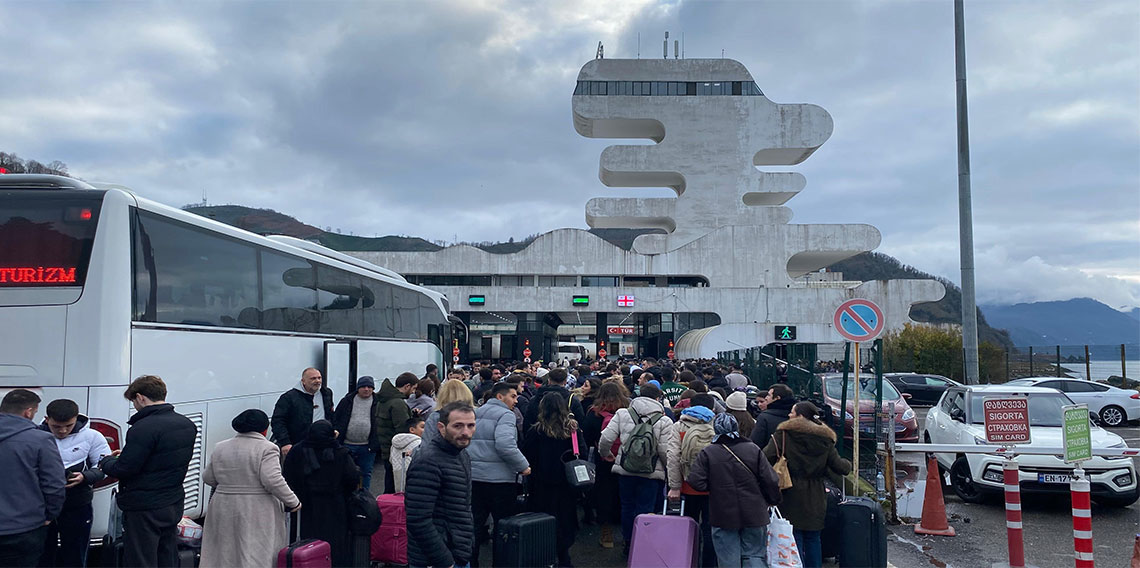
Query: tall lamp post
(965, 206)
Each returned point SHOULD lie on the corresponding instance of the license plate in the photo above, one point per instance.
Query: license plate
(1054, 477)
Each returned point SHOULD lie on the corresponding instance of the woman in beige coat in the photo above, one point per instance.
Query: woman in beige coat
(245, 522)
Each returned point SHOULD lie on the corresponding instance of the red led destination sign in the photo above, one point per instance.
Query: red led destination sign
(36, 275)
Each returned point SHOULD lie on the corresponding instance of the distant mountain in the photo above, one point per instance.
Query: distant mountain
(1135, 313)
(270, 222)
(1080, 321)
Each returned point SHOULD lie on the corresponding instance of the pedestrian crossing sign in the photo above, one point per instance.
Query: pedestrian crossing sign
(785, 333)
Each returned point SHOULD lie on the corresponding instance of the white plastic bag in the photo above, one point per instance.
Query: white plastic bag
(782, 551)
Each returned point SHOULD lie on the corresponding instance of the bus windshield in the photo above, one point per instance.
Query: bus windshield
(46, 236)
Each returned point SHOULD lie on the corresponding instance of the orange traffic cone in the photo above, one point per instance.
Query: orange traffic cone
(933, 505)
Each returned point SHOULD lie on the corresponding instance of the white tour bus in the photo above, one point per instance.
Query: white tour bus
(98, 286)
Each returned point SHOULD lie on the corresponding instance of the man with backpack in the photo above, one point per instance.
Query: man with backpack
(692, 431)
(643, 430)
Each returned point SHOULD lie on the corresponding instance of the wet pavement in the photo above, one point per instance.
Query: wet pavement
(1048, 530)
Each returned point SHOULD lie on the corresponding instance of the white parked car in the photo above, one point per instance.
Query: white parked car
(957, 419)
(1114, 406)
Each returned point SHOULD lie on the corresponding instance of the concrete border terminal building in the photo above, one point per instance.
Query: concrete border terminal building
(723, 267)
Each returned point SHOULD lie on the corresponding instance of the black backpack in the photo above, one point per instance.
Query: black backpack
(363, 513)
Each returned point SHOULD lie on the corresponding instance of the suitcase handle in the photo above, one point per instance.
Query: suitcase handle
(665, 508)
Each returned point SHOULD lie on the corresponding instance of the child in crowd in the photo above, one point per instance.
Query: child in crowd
(403, 446)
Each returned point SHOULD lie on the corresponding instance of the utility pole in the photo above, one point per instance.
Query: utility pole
(965, 206)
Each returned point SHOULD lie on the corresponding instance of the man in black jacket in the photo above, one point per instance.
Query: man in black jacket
(780, 400)
(299, 407)
(150, 468)
(556, 383)
(438, 495)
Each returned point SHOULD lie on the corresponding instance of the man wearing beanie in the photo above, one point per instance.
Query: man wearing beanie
(741, 486)
(737, 403)
(355, 421)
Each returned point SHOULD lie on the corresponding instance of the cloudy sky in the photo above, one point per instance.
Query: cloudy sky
(451, 120)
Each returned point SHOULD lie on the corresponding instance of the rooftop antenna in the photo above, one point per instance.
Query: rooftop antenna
(682, 45)
(601, 52)
(639, 45)
(665, 47)
(675, 47)
(722, 53)
(203, 197)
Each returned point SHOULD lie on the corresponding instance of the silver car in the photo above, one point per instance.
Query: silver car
(1114, 406)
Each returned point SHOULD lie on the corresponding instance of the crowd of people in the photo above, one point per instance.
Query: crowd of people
(466, 451)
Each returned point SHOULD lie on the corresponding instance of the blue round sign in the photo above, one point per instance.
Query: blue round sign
(859, 320)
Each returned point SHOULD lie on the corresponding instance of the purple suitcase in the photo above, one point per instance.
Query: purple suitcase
(309, 553)
(664, 541)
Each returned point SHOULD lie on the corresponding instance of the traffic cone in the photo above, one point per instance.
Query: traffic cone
(933, 505)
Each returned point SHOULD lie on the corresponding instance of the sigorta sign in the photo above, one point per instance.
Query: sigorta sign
(1006, 420)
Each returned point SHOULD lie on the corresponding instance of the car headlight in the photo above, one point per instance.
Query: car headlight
(1120, 445)
(980, 441)
(908, 415)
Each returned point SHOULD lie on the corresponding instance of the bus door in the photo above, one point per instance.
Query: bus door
(340, 366)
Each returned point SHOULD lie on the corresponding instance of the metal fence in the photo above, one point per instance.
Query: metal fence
(1107, 363)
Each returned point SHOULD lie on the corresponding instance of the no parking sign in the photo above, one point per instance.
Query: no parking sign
(859, 320)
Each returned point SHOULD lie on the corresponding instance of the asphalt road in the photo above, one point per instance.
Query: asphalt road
(1048, 536)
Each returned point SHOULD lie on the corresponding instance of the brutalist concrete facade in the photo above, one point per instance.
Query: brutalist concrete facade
(712, 130)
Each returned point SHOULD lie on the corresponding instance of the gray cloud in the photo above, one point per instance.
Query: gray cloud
(452, 119)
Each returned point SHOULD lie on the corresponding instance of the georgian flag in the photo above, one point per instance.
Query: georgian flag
(625, 301)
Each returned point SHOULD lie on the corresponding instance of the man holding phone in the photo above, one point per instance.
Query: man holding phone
(81, 448)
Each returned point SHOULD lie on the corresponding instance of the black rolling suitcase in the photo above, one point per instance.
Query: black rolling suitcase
(863, 517)
(526, 540)
(831, 538)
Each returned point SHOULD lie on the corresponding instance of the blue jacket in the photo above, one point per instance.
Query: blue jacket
(494, 449)
(33, 476)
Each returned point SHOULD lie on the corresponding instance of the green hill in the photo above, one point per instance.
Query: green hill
(864, 267)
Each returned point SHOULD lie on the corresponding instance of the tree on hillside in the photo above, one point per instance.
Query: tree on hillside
(17, 165)
(938, 351)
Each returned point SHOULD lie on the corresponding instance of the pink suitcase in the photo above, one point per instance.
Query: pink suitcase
(664, 541)
(390, 541)
(308, 553)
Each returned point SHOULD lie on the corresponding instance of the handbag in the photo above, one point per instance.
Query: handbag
(782, 550)
(580, 474)
(781, 465)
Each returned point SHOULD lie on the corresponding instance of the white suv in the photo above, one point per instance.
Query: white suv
(957, 419)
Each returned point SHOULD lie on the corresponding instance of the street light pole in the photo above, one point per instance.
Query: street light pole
(965, 206)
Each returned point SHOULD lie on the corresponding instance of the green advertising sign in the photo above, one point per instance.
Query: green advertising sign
(1077, 437)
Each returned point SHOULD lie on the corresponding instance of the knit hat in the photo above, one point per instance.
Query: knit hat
(725, 425)
(737, 401)
(252, 420)
(365, 381)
